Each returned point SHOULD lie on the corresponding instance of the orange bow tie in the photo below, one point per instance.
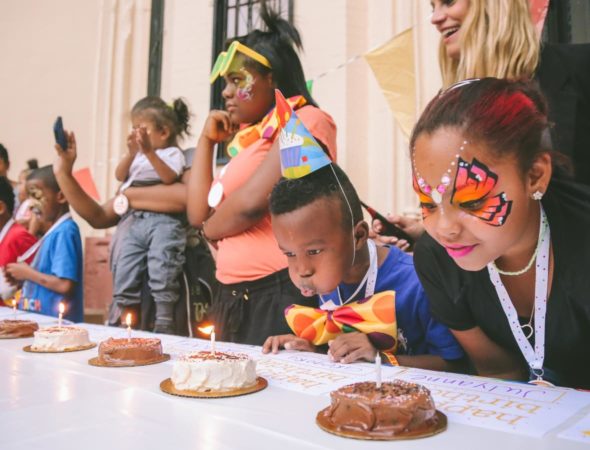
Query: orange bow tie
(373, 316)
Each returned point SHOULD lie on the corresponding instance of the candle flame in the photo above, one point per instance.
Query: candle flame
(14, 303)
(128, 320)
(62, 307)
(207, 330)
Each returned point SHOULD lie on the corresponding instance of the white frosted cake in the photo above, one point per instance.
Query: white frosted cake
(58, 339)
(207, 371)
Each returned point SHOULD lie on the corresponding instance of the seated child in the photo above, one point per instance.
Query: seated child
(55, 274)
(332, 256)
(145, 239)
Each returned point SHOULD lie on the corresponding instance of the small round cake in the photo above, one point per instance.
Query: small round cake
(59, 339)
(396, 408)
(130, 352)
(208, 371)
(17, 328)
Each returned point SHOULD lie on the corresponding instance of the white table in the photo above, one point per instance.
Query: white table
(58, 401)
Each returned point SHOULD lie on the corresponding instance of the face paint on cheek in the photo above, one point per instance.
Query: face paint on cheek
(473, 183)
(37, 194)
(244, 89)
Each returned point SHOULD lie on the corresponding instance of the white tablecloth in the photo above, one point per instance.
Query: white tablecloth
(59, 401)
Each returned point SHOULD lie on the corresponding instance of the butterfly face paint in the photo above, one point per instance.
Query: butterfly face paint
(473, 183)
(244, 87)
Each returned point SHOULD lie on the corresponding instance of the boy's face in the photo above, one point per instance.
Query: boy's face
(319, 250)
(46, 203)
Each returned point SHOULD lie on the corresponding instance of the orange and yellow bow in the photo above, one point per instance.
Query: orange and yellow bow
(373, 316)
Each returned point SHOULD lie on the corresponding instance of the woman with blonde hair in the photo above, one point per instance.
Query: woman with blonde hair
(483, 38)
(497, 38)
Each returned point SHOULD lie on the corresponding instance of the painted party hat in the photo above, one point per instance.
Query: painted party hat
(301, 154)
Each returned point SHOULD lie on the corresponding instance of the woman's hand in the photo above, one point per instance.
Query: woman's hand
(218, 126)
(350, 347)
(64, 163)
(411, 225)
(287, 341)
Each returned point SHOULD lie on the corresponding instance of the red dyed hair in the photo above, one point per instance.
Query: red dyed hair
(509, 116)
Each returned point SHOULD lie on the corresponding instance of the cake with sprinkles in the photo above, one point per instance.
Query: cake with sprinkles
(17, 328)
(130, 351)
(56, 339)
(395, 408)
(207, 371)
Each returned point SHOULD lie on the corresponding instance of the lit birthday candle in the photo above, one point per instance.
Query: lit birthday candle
(210, 330)
(128, 322)
(62, 308)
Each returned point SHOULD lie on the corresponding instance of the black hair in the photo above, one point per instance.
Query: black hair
(32, 164)
(45, 175)
(4, 155)
(278, 45)
(510, 116)
(7, 194)
(291, 194)
(175, 117)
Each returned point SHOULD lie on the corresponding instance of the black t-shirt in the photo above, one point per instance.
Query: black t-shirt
(463, 300)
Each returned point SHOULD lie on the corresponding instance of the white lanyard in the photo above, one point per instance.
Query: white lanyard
(535, 357)
(37, 244)
(5, 229)
(370, 277)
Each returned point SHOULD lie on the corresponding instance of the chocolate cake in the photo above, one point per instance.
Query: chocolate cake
(17, 328)
(133, 351)
(395, 408)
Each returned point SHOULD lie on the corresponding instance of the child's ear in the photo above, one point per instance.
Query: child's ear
(3, 207)
(539, 174)
(61, 198)
(361, 234)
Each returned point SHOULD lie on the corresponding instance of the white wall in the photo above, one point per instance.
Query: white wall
(87, 61)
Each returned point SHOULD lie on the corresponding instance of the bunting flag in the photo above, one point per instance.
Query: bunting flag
(393, 66)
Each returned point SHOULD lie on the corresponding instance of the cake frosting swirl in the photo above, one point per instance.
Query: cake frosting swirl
(17, 328)
(208, 371)
(60, 338)
(395, 408)
(130, 351)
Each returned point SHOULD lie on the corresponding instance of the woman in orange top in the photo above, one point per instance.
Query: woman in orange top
(232, 208)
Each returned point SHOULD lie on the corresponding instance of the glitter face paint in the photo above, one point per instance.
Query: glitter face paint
(244, 87)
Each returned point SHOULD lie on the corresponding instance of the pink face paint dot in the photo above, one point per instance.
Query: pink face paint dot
(441, 188)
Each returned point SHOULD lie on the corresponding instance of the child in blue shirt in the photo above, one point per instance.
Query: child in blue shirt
(55, 274)
(331, 257)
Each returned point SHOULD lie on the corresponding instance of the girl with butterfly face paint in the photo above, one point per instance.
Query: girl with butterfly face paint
(502, 222)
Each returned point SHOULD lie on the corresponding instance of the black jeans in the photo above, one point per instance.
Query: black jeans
(251, 311)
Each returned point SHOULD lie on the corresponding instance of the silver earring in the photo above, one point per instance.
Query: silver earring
(537, 195)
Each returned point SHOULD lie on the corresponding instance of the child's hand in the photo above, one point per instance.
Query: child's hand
(218, 126)
(143, 140)
(350, 347)
(132, 146)
(18, 271)
(287, 341)
(64, 163)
